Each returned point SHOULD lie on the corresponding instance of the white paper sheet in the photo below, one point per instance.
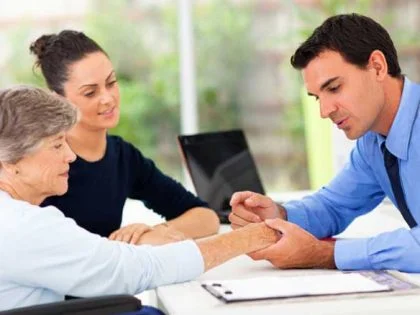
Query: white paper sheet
(282, 287)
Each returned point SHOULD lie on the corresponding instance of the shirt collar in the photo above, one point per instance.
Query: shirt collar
(399, 135)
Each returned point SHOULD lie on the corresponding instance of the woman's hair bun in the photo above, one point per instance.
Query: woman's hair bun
(39, 46)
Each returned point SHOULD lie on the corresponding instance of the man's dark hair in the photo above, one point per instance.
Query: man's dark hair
(354, 36)
(56, 52)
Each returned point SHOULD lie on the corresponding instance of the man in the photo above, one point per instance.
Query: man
(350, 65)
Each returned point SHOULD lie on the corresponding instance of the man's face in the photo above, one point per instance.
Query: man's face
(353, 98)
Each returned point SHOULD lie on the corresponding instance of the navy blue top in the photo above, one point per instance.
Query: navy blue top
(98, 190)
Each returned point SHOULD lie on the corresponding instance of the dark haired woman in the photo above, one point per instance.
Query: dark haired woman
(108, 169)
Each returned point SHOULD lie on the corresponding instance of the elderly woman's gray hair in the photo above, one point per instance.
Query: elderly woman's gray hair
(27, 116)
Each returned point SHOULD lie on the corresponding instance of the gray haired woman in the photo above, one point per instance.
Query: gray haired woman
(45, 255)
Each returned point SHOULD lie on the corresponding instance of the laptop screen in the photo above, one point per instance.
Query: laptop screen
(220, 163)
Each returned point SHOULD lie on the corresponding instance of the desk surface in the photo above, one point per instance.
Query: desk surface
(191, 298)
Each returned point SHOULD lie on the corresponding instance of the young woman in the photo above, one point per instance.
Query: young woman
(108, 169)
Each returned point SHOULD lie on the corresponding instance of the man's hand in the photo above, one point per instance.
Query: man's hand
(249, 207)
(296, 248)
(130, 234)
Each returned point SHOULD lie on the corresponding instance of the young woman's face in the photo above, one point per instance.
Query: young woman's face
(92, 86)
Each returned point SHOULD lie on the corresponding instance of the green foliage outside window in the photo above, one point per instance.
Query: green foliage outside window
(141, 39)
(149, 71)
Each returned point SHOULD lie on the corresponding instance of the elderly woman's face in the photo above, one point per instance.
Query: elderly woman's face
(92, 86)
(46, 170)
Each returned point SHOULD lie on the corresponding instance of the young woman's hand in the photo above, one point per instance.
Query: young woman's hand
(130, 234)
(161, 234)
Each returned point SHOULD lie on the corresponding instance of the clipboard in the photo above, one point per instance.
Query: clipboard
(293, 286)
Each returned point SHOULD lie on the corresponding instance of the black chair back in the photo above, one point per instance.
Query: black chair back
(103, 305)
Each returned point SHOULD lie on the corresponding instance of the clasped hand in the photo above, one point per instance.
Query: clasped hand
(295, 249)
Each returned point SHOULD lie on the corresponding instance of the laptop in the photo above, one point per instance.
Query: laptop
(220, 163)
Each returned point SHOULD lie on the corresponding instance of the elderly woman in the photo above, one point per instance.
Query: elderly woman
(46, 255)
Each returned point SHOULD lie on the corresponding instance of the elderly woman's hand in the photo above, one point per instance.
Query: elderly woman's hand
(131, 233)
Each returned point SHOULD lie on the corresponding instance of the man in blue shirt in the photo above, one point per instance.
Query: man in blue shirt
(350, 65)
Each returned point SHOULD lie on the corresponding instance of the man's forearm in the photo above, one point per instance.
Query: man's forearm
(221, 248)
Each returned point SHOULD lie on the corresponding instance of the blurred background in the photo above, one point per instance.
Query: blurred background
(243, 78)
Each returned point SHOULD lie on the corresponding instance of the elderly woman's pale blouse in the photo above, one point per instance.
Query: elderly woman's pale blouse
(45, 256)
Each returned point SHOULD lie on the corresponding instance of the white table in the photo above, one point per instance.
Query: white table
(191, 298)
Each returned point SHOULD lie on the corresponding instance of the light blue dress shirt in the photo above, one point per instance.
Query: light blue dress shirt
(44, 256)
(361, 186)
